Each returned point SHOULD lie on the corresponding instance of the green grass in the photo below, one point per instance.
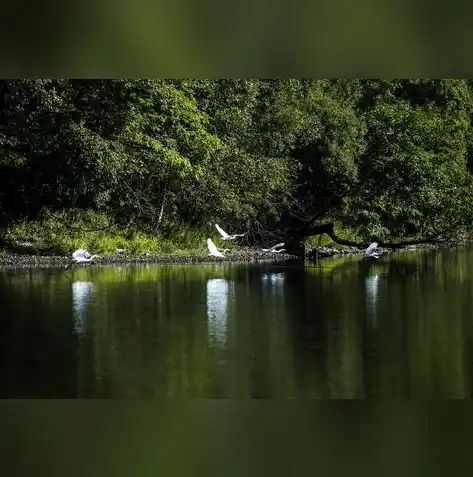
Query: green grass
(65, 232)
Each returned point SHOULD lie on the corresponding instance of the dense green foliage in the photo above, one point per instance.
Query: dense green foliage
(383, 158)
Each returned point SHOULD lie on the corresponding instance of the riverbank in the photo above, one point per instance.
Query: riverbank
(50, 241)
(320, 252)
(245, 255)
(15, 260)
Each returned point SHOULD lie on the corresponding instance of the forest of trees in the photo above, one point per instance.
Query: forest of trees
(387, 159)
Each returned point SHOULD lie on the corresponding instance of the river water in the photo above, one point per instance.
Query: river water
(401, 327)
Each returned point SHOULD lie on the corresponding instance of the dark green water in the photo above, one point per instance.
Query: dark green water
(398, 328)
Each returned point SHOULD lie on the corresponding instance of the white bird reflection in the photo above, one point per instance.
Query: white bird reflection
(81, 293)
(273, 278)
(217, 309)
(372, 287)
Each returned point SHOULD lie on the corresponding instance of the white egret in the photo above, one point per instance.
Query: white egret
(226, 236)
(213, 250)
(80, 256)
(370, 252)
(274, 248)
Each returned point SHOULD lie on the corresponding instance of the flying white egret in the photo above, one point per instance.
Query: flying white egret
(370, 252)
(80, 256)
(274, 247)
(226, 236)
(213, 250)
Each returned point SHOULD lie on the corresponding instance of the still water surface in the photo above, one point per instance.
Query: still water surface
(401, 327)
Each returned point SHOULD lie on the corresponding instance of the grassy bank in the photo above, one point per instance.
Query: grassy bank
(62, 233)
(50, 241)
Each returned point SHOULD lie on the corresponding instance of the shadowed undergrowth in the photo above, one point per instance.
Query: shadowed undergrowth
(61, 233)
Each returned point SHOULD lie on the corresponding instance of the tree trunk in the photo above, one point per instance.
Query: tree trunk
(296, 246)
(295, 240)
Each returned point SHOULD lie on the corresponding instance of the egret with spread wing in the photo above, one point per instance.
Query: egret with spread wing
(81, 256)
(370, 252)
(226, 236)
(275, 248)
(213, 250)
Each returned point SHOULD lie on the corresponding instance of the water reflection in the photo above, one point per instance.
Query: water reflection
(81, 297)
(273, 277)
(372, 287)
(401, 328)
(217, 310)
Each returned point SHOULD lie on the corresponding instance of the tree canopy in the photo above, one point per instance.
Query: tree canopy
(386, 158)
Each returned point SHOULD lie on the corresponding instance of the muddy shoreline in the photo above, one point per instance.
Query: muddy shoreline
(24, 260)
(323, 252)
(21, 260)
